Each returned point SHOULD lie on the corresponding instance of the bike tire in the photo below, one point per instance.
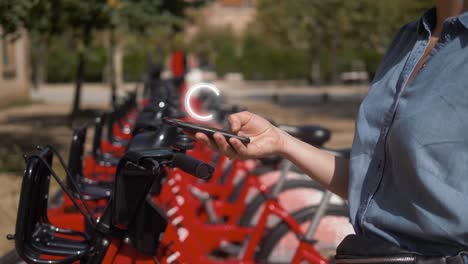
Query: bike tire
(11, 258)
(270, 240)
(255, 204)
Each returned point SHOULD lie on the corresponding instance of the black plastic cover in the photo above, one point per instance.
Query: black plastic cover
(147, 229)
(132, 184)
(165, 136)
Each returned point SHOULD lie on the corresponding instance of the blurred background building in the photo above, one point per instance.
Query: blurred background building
(14, 68)
(235, 14)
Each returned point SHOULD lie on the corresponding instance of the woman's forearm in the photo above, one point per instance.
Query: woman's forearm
(330, 171)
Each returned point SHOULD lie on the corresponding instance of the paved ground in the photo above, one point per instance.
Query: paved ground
(93, 94)
(285, 94)
(23, 127)
(99, 94)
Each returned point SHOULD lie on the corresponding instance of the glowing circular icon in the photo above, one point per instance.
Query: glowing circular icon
(194, 89)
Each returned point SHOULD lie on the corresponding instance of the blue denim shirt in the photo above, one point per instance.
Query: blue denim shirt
(409, 162)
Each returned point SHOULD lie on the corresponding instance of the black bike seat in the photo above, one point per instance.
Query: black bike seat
(311, 134)
(92, 191)
(146, 124)
(142, 141)
(343, 153)
(272, 160)
(164, 137)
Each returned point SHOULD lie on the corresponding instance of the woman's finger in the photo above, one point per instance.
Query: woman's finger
(189, 134)
(224, 146)
(205, 140)
(239, 147)
(236, 121)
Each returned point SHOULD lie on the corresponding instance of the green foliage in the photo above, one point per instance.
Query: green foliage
(96, 61)
(42, 16)
(134, 65)
(61, 66)
(62, 62)
(11, 15)
(10, 159)
(288, 37)
(260, 61)
(249, 54)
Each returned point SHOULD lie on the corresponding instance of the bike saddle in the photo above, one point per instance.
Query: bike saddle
(165, 136)
(90, 191)
(147, 121)
(342, 153)
(313, 135)
(151, 118)
(36, 239)
(271, 160)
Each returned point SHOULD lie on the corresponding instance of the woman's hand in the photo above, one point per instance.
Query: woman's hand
(265, 139)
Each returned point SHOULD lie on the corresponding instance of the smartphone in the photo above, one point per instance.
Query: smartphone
(209, 131)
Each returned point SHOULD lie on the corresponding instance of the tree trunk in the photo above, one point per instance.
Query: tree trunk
(79, 81)
(39, 52)
(334, 40)
(85, 42)
(315, 74)
(112, 64)
(35, 64)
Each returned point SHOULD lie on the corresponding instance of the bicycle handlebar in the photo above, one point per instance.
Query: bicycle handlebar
(192, 166)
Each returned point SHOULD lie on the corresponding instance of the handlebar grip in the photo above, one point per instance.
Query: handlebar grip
(193, 166)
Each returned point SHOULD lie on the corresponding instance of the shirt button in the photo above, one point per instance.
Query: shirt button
(379, 165)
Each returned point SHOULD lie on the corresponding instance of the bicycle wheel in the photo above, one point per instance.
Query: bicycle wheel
(253, 207)
(278, 246)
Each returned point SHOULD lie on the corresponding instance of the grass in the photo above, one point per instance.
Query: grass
(11, 159)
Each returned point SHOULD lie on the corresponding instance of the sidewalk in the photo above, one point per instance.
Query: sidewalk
(289, 94)
(92, 94)
(96, 94)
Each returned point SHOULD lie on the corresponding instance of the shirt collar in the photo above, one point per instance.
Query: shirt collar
(429, 20)
(463, 18)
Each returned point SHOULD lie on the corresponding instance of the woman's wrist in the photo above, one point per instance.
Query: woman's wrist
(285, 143)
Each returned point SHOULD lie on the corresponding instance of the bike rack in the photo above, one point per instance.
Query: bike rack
(98, 126)
(90, 190)
(37, 239)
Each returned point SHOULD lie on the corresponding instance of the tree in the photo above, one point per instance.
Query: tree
(301, 25)
(141, 18)
(85, 18)
(41, 19)
(319, 27)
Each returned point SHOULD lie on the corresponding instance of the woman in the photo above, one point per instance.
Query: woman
(407, 179)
